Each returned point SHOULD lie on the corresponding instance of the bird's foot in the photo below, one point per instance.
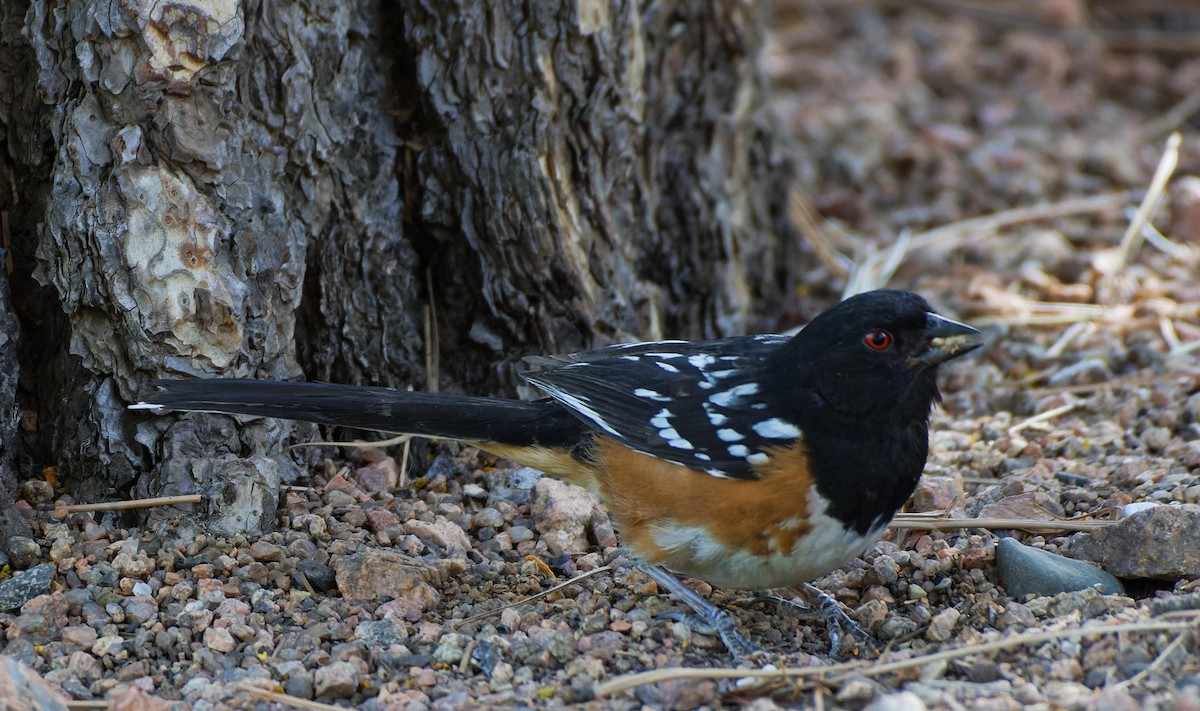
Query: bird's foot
(707, 619)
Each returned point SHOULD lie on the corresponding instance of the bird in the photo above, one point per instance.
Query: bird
(749, 462)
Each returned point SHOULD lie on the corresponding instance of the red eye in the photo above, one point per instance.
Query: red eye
(878, 340)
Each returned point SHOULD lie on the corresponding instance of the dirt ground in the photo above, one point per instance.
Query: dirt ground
(995, 154)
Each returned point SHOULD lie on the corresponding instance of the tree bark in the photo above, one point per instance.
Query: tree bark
(275, 189)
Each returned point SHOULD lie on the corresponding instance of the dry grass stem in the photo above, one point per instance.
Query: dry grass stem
(1132, 239)
(1043, 417)
(840, 672)
(937, 522)
(808, 224)
(135, 503)
(356, 443)
(956, 232)
(1185, 348)
(876, 269)
(1073, 332)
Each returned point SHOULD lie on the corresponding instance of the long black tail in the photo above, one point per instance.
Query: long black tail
(461, 417)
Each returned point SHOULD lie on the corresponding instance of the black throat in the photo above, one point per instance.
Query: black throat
(868, 466)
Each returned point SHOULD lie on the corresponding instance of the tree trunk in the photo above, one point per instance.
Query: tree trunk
(276, 190)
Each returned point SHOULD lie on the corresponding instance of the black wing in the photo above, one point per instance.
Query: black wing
(698, 404)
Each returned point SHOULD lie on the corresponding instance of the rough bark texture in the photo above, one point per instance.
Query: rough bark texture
(605, 173)
(265, 189)
(22, 140)
(196, 148)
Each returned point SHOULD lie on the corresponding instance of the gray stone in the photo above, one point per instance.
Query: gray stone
(1030, 571)
(25, 585)
(1158, 543)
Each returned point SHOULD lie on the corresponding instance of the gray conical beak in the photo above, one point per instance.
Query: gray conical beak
(947, 339)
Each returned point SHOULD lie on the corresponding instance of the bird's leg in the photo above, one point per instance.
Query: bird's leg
(836, 620)
(712, 617)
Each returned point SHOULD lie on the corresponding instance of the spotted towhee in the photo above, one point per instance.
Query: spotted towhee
(749, 462)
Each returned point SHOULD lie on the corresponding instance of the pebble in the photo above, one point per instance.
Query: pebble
(23, 552)
(380, 633)
(219, 640)
(1157, 543)
(943, 624)
(511, 486)
(376, 573)
(320, 576)
(266, 552)
(1130, 509)
(336, 680)
(140, 608)
(900, 701)
(1024, 570)
(378, 477)
(442, 531)
(488, 517)
(25, 585)
(562, 513)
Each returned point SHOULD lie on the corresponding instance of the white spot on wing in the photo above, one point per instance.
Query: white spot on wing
(732, 395)
(579, 405)
(716, 418)
(667, 367)
(730, 435)
(739, 450)
(776, 428)
(650, 395)
(701, 360)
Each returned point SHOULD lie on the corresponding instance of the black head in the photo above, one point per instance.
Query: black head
(873, 357)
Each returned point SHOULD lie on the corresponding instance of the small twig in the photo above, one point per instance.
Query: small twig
(1073, 332)
(1132, 239)
(1167, 328)
(464, 664)
(1118, 383)
(293, 701)
(135, 503)
(987, 224)
(920, 522)
(86, 705)
(1185, 348)
(459, 623)
(356, 443)
(1043, 417)
(807, 223)
(878, 267)
(1160, 242)
(843, 671)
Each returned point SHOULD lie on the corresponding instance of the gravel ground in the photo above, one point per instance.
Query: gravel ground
(909, 117)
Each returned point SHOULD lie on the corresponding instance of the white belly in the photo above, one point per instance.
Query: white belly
(827, 547)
